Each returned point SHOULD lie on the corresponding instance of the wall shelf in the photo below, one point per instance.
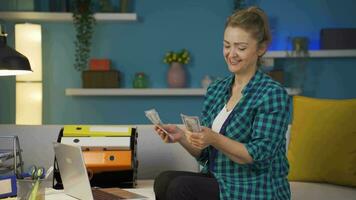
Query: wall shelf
(63, 17)
(314, 54)
(134, 92)
(147, 92)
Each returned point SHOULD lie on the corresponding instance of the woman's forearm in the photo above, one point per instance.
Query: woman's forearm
(236, 151)
(195, 152)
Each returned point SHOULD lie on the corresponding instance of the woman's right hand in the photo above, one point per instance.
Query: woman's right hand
(175, 134)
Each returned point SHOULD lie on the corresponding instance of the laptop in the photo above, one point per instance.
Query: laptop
(75, 178)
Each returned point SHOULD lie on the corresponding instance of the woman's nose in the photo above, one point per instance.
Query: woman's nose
(233, 52)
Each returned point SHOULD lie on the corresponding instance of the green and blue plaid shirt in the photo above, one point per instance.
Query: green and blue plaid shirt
(259, 121)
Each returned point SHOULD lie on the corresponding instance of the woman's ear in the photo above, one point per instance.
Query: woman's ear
(262, 48)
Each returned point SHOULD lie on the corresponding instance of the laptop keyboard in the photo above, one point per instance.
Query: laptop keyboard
(102, 195)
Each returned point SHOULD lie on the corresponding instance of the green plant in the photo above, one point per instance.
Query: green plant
(239, 4)
(182, 57)
(84, 22)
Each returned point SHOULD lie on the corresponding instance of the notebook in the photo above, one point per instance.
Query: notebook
(75, 178)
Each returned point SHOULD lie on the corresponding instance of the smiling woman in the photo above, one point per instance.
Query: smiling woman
(246, 37)
(244, 118)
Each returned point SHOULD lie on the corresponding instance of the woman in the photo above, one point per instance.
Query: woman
(245, 117)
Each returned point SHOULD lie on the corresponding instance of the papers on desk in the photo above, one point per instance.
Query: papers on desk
(5, 156)
(6, 166)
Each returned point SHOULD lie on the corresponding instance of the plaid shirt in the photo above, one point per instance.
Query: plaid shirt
(259, 121)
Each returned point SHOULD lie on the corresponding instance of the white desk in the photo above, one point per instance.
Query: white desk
(144, 187)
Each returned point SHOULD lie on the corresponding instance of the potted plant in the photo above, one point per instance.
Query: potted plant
(176, 76)
(84, 22)
(295, 72)
(239, 4)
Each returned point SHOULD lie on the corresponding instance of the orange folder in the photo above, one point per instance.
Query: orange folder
(100, 160)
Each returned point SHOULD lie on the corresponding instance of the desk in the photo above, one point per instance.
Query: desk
(144, 187)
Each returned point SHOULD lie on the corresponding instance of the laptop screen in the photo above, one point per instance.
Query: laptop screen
(75, 178)
(73, 171)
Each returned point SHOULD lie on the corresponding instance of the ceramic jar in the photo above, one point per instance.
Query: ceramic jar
(176, 76)
(140, 80)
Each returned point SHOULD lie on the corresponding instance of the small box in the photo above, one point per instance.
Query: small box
(101, 79)
(338, 38)
(99, 64)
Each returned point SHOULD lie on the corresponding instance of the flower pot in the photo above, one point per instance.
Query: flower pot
(176, 76)
(124, 6)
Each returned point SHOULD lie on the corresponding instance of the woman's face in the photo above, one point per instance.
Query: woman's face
(240, 50)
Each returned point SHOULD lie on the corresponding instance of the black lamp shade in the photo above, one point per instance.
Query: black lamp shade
(11, 61)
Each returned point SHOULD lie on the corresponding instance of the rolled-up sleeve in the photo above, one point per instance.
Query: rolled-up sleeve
(209, 100)
(269, 126)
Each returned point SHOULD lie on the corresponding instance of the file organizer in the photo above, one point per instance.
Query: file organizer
(109, 154)
(11, 165)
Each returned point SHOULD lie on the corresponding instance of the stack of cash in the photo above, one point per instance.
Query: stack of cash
(191, 123)
(153, 116)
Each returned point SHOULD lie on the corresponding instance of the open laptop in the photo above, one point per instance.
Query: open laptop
(75, 178)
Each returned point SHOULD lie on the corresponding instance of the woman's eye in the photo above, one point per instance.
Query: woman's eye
(226, 47)
(242, 49)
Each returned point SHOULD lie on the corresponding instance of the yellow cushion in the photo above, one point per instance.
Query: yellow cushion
(322, 146)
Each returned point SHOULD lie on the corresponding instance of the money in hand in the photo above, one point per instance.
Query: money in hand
(191, 123)
(153, 116)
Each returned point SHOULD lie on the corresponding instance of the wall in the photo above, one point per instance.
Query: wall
(173, 25)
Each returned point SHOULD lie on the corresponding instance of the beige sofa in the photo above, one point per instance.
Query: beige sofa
(154, 157)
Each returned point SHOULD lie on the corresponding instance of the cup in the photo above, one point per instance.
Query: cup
(25, 188)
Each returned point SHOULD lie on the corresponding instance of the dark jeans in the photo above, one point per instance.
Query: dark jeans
(180, 185)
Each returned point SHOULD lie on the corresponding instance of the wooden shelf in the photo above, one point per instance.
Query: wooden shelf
(147, 92)
(63, 17)
(314, 54)
(134, 92)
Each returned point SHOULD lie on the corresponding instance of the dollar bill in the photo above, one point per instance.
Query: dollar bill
(153, 116)
(192, 123)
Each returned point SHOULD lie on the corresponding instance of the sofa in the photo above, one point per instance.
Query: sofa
(154, 157)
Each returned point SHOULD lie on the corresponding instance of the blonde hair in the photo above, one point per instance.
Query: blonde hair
(253, 20)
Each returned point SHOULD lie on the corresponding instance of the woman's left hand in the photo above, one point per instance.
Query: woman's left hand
(201, 139)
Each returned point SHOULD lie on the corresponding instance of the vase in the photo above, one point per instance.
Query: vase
(176, 76)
